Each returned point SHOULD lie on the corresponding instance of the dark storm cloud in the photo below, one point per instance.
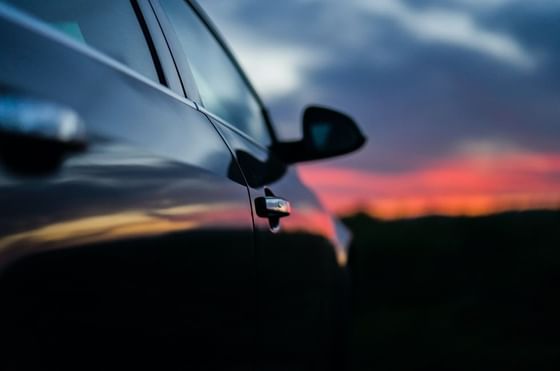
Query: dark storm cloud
(423, 78)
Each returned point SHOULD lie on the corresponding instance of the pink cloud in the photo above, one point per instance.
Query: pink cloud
(464, 184)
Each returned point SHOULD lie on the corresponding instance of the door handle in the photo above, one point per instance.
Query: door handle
(272, 207)
(41, 120)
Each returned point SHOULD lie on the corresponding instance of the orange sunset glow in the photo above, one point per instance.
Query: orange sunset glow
(463, 185)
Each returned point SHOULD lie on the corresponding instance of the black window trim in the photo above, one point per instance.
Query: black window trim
(183, 65)
(141, 18)
(159, 49)
(179, 57)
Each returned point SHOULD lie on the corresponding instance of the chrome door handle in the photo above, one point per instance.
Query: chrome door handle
(272, 207)
(42, 120)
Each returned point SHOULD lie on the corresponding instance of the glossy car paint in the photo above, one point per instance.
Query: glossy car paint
(145, 249)
(132, 249)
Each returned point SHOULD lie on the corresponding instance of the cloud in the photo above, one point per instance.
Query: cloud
(456, 185)
(423, 78)
(496, 4)
(277, 68)
(485, 4)
(451, 27)
(274, 70)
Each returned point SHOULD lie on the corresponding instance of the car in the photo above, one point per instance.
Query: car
(150, 217)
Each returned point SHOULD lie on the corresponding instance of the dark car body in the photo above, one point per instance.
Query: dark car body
(140, 245)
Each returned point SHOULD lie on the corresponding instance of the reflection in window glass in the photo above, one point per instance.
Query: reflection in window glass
(222, 88)
(110, 26)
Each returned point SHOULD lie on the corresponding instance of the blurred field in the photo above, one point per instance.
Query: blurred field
(440, 293)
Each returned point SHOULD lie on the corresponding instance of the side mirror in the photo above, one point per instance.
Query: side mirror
(326, 133)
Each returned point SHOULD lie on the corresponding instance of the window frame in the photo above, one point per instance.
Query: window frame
(191, 89)
(159, 48)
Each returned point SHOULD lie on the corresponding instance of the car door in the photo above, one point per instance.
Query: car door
(298, 257)
(126, 235)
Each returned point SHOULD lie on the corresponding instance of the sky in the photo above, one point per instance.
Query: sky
(460, 99)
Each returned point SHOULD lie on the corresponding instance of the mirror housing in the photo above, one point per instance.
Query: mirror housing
(326, 133)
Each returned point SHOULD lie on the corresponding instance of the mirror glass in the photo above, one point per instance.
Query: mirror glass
(330, 133)
(326, 133)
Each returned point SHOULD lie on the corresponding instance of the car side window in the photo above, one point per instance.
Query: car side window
(111, 26)
(222, 89)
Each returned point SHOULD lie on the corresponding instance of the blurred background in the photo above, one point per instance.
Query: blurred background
(460, 100)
